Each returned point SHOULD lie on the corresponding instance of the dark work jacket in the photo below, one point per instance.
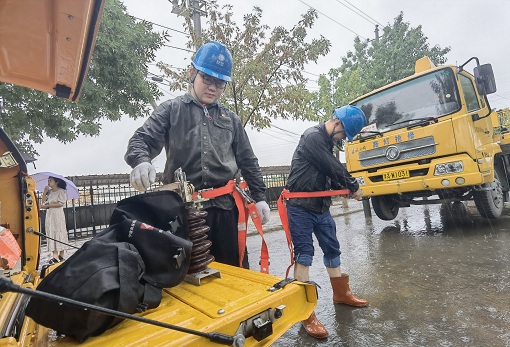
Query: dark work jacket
(314, 168)
(210, 148)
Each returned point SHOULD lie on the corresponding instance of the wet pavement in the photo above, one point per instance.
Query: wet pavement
(434, 276)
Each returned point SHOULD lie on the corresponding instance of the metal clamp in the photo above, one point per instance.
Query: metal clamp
(244, 194)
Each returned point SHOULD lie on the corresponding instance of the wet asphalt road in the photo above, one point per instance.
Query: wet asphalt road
(433, 276)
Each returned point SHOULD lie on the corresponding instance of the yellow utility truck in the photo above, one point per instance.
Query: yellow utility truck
(433, 138)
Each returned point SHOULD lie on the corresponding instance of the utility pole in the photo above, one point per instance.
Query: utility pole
(198, 9)
(376, 31)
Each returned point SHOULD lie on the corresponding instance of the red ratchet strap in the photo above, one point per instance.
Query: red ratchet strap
(282, 211)
(246, 206)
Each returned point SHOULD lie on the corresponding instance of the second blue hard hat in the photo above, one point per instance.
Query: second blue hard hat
(353, 120)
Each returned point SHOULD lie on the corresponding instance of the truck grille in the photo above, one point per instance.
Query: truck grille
(398, 151)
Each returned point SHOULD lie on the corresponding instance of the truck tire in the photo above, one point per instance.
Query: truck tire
(489, 203)
(385, 207)
(453, 214)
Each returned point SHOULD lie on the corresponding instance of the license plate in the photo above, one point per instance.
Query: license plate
(395, 175)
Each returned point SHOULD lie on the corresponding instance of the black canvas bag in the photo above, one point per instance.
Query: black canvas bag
(99, 273)
(122, 268)
(156, 224)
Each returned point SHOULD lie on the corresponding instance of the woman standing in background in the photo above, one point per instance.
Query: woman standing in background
(54, 198)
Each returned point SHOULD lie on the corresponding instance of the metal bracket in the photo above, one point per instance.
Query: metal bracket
(281, 284)
(244, 194)
(196, 277)
(260, 326)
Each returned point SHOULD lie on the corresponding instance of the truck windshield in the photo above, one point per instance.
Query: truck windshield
(423, 98)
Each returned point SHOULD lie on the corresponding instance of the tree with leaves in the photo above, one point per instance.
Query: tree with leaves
(116, 85)
(376, 63)
(268, 79)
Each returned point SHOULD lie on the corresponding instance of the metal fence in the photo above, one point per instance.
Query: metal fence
(99, 194)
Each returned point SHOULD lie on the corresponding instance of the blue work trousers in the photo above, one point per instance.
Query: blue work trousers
(302, 225)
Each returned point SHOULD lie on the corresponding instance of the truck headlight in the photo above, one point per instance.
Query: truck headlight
(448, 168)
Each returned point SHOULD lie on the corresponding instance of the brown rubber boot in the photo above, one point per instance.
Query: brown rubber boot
(314, 327)
(342, 293)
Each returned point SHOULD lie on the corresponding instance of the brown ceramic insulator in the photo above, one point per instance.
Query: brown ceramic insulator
(201, 266)
(201, 253)
(198, 238)
(200, 246)
(196, 214)
(200, 256)
(198, 259)
(200, 230)
(196, 222)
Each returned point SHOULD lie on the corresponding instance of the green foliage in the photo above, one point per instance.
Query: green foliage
(116, 85)
(376, 63)
(267, 77)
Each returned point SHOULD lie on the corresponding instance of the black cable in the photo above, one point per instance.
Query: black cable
(41, 234)
(288, 131)
(370, 19)
(6, 285)
(352, 31)
(159, 25)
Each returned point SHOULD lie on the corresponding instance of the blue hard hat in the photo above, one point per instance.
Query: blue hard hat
(214, 59)
(353, 120)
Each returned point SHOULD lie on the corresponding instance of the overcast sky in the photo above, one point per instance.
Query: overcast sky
(470, 28)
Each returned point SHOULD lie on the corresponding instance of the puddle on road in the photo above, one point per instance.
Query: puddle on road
(434, 276)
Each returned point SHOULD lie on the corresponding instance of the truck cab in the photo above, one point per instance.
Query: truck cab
(431, 138)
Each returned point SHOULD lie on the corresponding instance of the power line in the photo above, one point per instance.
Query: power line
(287, 131)
(372, 20)
(182, 49)
(501, 96)
(276, 137)
(165, 91)
(359, 14)
(325, 15)
(281, 133)
(169, 66)
(162, 26)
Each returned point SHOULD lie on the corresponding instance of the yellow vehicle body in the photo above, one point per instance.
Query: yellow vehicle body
(429, 134)
(218, 305)
(47, 45)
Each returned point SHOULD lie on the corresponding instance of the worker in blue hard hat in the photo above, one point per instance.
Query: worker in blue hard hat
(208, 142)
(314, 168)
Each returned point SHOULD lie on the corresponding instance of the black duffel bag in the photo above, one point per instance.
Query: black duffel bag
(123, 268)
(103, 274)
(159, 231)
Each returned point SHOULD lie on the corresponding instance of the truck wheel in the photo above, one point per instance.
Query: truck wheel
(454, 214)
(385, 207)
(489, 203)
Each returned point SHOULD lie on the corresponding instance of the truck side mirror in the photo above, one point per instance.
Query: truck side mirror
(484, 78)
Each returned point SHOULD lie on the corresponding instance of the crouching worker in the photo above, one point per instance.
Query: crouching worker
(314, 168)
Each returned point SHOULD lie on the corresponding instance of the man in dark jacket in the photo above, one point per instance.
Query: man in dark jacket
(208, 142)
(314, 168)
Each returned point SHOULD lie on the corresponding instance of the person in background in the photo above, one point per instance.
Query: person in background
(314, 168)
(54, 198)
(208, 142)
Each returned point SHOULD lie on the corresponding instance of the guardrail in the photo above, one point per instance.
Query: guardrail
(99, 194)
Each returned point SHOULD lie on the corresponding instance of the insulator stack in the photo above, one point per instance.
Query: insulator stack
(200, 256)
